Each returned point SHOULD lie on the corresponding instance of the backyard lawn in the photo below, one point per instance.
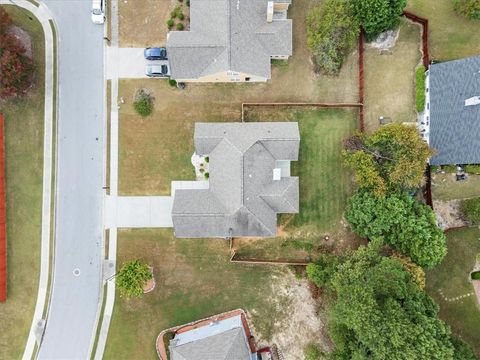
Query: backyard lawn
(445, 187)
(24, 164)
(390, 78)
(451, 276)
(194, 280)
(450, 36)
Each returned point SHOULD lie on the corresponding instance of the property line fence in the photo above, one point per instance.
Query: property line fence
(3, 236)
(424, 23)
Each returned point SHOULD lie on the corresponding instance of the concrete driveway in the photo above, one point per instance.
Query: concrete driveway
(128, 63)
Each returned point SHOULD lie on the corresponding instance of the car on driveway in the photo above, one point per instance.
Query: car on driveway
(98, 11)
(154, 70)
(155, 53)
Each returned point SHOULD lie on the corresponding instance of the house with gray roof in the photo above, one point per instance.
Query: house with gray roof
(230, 41)
(249, 181)
(451, 122)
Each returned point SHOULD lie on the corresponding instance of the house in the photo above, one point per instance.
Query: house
(230, 41)
(225, 336)
(451, 121)
(249, 181)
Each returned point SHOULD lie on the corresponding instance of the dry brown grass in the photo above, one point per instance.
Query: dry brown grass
(390, 79)
(142, 22)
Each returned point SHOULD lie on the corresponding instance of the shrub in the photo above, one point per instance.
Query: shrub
(207, 175)
(207, 159)
(449, 168)
(132, 277)
(470, 208)
(172, 82)
(180, 26)
(472, 169)
(187, 2)
(170, 23)
(420, 88)
(175, 12)
(181, 16)
(475, 275)
(468, 8)
(321, 271)
(331, 31)
(143, 104)
(312, 352)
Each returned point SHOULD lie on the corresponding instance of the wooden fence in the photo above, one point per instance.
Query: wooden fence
(3, 237)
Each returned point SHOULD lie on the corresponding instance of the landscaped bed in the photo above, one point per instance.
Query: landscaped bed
(450, 280)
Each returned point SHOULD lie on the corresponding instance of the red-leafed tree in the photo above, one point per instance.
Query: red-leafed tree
(16, 69)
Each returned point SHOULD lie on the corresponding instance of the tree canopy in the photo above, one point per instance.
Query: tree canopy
(392, 158)
(376, 16)
(381, 313)
(132, 277)
(331, 31)
(404, 223)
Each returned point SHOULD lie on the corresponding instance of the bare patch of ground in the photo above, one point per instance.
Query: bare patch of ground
(301, 324)
(448, 214)
(386, 40)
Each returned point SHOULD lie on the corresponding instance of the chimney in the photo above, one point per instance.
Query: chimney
(475, 100)
(270, 11)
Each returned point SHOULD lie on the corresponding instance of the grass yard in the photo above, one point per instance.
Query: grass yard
(452, 277)
(450, 36)
(390, 78)
(445, 187)
(24, 165)
(194, 280)
(142, 23)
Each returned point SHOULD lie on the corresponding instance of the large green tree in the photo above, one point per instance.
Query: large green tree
(381, 313)
(376, 16)
(331, 31)
(403, 222)
(394, 157)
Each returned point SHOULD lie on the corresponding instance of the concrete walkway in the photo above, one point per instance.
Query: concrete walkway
(43, 15)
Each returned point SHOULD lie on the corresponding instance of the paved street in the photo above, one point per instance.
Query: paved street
(77, 269)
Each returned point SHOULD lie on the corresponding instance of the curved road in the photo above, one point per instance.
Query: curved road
(77, 275)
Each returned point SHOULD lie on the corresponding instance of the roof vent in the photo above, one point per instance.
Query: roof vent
(475, 100)
(270, 11)
(277, 174)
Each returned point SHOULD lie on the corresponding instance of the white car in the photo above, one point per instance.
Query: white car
(98, 11)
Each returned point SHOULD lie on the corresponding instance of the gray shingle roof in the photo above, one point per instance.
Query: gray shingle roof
(243, 199)
(228, 35)
(229, 345)
(454, 127)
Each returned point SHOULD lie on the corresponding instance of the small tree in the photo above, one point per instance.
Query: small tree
(132, 277)
(375, 16)
(143, 103)
(321, 271)
(331, 31)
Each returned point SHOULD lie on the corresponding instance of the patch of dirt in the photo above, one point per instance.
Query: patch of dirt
(301, 324)
(23, 37)
(448, 214)
(386, 40)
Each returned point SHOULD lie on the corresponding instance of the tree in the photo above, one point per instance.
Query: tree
(331, 31)
(321, 271)
(463, 351)
(381, 313)
(417, 273)
(392, 158)
(16, 69)
(132, 277)
(404, 223)
(376, 16)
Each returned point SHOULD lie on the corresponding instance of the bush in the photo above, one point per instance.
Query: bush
(188, 3)
(172, 82)
(312, 352)
(181, 16)
(175, 12)
(468, 8)
(207, 159)
(170, 23)
(449, 168)
(132, 277)
(472, 169)
(321, 271)
(331, 31)
(470, 208)
(420, 88)
(143, 104)
(207, 175)
(180, 26)
(475, 275)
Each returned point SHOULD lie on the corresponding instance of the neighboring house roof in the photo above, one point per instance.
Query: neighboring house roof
(228, 345)
(243, 199)
(228, 35)
(454, 127)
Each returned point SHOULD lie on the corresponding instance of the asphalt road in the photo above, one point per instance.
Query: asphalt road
(78, 264)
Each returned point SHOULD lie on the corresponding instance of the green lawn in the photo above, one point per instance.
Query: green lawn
(445, 187)
(194, 280)
(451, 36)
(452, 277)
(24, 164)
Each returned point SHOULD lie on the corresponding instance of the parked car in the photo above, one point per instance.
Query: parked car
(154, 70)
(98, 11)
(155, 53)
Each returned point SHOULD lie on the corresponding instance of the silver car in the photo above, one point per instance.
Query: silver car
(154, 70)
